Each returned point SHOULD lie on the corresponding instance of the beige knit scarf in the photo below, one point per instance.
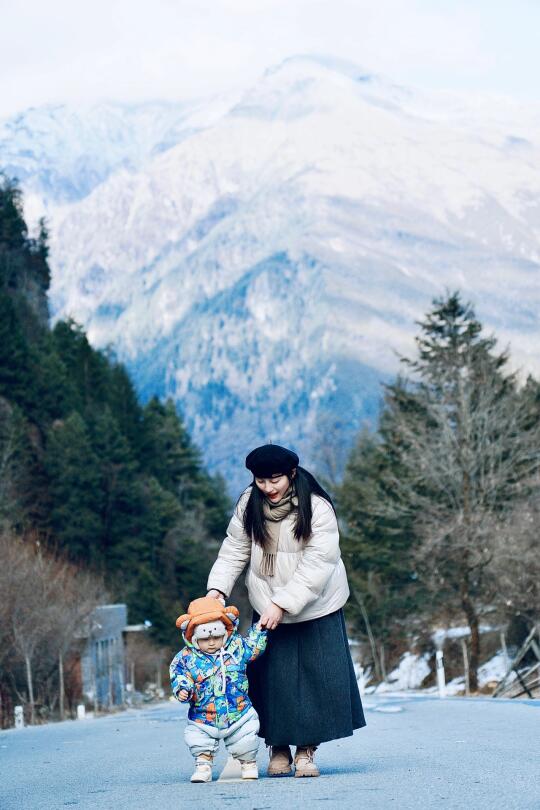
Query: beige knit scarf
(274, 513)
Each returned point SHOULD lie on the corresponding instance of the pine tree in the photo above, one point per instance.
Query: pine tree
(55, 390)
(377, 549)
(169, 454)
(13, 230)
(451, 340)
(39, 251)
(187, 555)
(21, 494)
(122, 399)
(461, 455)
(74, 476)
(156, 591)
(118, 489)
(16, 381)
(86, 367)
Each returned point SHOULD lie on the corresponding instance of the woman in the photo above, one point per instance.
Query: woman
(303, 688)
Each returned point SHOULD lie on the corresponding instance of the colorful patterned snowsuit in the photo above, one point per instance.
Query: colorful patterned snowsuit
(217, 689)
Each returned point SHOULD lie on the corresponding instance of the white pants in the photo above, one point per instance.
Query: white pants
(240, 738)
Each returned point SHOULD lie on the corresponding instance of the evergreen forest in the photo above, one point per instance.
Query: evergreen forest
(89, 476)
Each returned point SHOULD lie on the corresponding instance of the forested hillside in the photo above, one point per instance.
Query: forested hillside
(114, 486)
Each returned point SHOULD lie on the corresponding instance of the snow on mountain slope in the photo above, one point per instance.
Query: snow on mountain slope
(265, 267)
(62, 153)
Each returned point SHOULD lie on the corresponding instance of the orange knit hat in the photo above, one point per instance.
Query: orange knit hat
(204, 610)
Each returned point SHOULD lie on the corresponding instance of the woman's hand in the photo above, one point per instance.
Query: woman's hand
(271, 617)
(217, 595)
(183, 694)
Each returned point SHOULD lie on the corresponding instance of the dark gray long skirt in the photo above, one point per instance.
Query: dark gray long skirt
(303, 686)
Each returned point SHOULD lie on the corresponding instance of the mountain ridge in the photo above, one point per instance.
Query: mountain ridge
(323, 176)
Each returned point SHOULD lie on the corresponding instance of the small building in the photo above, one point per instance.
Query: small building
(103, 657)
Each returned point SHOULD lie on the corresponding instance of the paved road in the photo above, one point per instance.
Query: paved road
(414, 753)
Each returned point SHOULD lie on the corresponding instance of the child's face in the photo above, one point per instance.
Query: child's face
(212, 644)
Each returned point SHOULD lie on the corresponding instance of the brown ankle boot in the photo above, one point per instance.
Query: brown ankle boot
(280, 761)
(303, 761)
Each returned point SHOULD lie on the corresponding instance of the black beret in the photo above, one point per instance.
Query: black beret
(271, 459)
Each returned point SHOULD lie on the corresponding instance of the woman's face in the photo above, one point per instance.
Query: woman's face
(275, 487)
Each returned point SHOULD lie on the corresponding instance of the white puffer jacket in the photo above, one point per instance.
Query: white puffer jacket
(309, 579)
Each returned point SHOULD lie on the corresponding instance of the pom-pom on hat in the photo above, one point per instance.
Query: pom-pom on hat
(271, 459)
(207, 610)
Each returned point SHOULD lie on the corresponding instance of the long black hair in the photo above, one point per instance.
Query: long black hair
(304, 485)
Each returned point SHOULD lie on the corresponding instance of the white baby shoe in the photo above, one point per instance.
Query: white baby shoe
(249, 770)
(203, 771)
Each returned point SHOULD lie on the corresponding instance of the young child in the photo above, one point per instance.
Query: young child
(210, 673)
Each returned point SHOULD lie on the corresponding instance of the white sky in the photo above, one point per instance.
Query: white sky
(75, 51)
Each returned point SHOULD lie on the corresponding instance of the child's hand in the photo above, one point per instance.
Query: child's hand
(183, 694)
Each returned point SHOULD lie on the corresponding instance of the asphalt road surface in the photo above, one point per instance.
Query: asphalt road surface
(476, 754)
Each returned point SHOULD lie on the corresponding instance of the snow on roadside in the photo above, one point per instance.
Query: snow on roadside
(492, 671)
(413, 669)
(409, 674)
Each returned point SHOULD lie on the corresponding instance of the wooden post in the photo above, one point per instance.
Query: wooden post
(120, 664)
(383, 666)
(505, 650)
(465, 666)
(441, 683)
(95, 665)
(61, 684)
(132, 667)
(30, 688)
(109, 676)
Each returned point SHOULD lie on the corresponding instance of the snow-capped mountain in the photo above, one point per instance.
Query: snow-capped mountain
(263, 258)
(62, 153)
